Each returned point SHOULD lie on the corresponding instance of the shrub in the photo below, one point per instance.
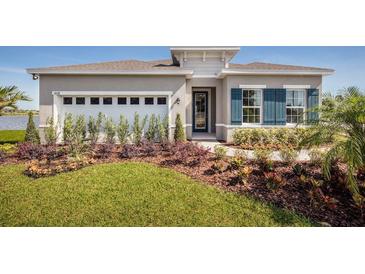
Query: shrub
(50, 131)
(288, 155)
(110, 131)
(316, 156)
(8, 148)
(151, 131)
(220, 152)
(263, 157)
(129, 151)
(79, 130)
(67, 128)
(188, 153)
(298, 169)
(138, 128)
(123, 130)
(94, 127)
(217, 167)
(31, 133)
(179, 134)
(244, 174)
(238, 160)
(29, 151)
(2, 156)
(273, 180)
(148, 148)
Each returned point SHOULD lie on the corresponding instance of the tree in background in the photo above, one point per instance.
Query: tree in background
(10, 96)
(31, 133)
(179, 134)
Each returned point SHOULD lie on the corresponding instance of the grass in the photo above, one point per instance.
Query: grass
(128, 194)
(11, 136)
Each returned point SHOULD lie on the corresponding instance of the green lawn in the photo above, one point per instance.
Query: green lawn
(11, 136)
(128, 194)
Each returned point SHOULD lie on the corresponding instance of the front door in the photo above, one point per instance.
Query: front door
(200, 111)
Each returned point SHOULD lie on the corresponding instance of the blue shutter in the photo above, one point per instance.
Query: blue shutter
(312, 102)
(280, 107)
(269, 106)
(236, 106)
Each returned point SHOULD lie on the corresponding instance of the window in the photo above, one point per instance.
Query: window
(80, 100)
(294, 106)
(148, 101)
(251, 106)
(134, 101)
(67, 100)
(107, 101)
(122, 100)
(94, 101)
(161, 101)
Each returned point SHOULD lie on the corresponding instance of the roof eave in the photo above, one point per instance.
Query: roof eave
(123, 72)
(226, 72)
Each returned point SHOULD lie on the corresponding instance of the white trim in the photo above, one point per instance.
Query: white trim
(112, 93)
(252, 86)
(259, 126)
(297, 86)
(186, 125)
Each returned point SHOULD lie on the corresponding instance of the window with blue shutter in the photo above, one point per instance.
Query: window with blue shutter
(274, 106)
(312, 102)
(236, 106)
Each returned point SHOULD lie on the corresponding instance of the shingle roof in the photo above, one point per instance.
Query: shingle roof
(276, 67)
(117, 66)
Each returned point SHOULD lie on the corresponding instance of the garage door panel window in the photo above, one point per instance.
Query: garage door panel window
(161, 100)
(122, 100)
(67, 100)
(107, 101)
(94, 101)
(295, 106)
(80, 100)
(251, 105)
(134, 101)
(148, 101)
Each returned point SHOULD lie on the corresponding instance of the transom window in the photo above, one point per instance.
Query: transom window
(134, 101)
(94, 100)
(294, 106)
(122, 100)
(251, 105)
(161, 100)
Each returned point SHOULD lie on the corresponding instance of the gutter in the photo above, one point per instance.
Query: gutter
(226, 72)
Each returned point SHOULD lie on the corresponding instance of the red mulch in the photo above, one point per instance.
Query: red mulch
(292, 195)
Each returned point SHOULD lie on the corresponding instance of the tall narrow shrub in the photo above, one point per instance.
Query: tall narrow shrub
(80, 128)
(123, 130)
(67, 128)
(50, 132)
(110, 131)
(31, 133)
(162, 130)
(179, 134)
(94, 127)
(151, 131)
(138, 128)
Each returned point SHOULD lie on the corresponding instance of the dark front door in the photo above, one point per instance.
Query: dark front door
(200, 111)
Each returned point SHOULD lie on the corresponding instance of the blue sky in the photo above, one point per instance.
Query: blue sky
(349, 62)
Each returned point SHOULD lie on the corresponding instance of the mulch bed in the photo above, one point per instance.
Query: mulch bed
(293, 194)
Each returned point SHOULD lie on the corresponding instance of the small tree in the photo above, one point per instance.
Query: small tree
(94, 127)
(151, 131)
(67, 128)
(50, 132)
(80, 127)
(138, 128)
(31, 133)
(179, 134)
(123, 130)
(110, 131)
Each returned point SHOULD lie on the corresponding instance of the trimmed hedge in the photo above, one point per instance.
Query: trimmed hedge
(271, 138)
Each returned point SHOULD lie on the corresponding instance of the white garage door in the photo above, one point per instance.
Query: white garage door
(114, 106)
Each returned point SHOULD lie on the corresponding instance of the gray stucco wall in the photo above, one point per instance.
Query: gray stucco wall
(49, 83)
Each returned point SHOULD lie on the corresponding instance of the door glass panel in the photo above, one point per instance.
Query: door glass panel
(200, 111)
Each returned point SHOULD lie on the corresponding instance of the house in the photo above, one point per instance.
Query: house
(213, 96)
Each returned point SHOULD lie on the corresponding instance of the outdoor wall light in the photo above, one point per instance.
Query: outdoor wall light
(178, 101)
(35, 76)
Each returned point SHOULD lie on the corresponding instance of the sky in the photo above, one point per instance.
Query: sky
(349, 62)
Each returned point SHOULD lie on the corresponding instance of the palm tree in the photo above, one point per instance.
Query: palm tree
(9, 96)
(343, 124)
